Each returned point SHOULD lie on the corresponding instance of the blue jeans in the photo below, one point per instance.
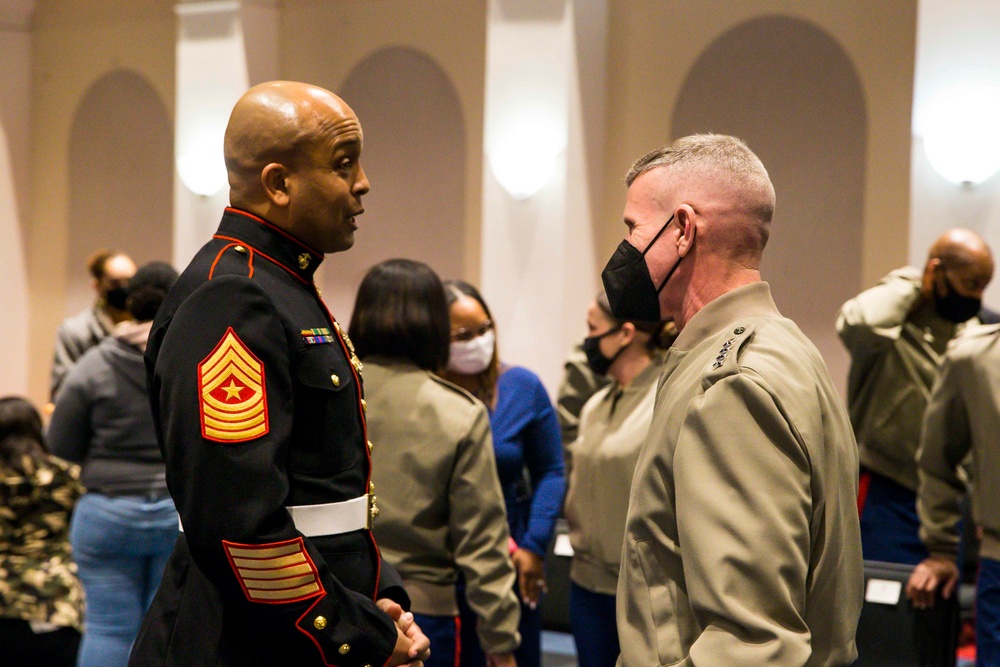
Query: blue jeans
(121, 546)
(889, 523)
(988, 614)
(595, 631)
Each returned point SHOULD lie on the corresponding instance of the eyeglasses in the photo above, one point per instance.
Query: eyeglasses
(464, 334)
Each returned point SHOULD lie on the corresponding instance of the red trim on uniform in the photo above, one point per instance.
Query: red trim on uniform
(265, 256)
(250, 261)
(275, 228)
(319, 647)
(364, 426)
(211, 271)
(227, 545)
(458, 641)
(864, 481)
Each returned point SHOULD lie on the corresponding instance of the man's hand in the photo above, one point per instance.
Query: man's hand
(500, 660)
(530, 576)
(927, 577)
(412, 645)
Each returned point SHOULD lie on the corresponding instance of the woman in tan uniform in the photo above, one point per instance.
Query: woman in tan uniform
(441, 506)
(599, 464)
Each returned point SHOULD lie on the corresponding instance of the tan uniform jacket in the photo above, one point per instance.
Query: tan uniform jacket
(442, 510)
(963, 415)
(895, 354)
(600, 464)
(742, 545)
(579, 383)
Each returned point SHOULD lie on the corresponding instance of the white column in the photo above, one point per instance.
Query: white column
(537, 250)
(213, 69)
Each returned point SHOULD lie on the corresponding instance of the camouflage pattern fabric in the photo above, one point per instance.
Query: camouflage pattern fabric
(38, 578)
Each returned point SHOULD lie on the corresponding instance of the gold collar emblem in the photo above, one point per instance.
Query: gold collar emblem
(304, 260)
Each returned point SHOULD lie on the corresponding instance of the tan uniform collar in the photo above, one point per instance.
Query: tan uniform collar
(751, 300)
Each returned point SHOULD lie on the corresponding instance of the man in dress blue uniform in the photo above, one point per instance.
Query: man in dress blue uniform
(258, 403)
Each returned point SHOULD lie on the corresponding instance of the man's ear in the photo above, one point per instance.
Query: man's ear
(274, 179)
(686, 220)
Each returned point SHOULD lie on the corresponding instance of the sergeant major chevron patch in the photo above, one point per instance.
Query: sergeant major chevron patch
(231, 392)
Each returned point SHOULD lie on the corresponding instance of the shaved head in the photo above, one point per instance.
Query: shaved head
(277, 121)
(724, 180)
(958, 260)
(293, 152)
(958, 248)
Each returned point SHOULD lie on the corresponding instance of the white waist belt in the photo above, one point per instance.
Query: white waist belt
(328, 519)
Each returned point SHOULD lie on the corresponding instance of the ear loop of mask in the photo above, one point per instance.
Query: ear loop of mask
(676, 264)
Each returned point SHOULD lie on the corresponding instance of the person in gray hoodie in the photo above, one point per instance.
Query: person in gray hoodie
(125, 526)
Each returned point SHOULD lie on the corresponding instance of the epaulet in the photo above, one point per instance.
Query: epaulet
(242, 255)
(455, 388)
(726, 360)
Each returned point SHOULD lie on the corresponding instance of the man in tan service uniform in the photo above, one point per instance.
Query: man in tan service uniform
(897, 333)
(742, 544)
(963, 415)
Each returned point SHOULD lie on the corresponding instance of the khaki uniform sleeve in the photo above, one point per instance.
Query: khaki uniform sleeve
(873, 319)
(479, 534)
(945, 441)
(743, 515)
(579, 383)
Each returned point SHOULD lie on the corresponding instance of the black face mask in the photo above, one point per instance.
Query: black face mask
(116, 297)
(956, 307)
(595, 359)
(631, 292)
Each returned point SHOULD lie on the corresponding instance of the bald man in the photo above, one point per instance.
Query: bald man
(897, 333)
(742, 544)
(257, 399)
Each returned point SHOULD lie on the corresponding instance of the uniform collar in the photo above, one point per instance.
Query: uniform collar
(274, 243)
(753, 300)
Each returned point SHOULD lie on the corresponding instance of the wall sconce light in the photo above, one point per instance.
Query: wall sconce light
(199, 159)
(961, 131)
(524, 153)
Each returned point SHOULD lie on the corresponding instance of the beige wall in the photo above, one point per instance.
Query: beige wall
(74, 44)
(654, 44)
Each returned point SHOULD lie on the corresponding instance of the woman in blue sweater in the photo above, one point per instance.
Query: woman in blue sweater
(528, 447)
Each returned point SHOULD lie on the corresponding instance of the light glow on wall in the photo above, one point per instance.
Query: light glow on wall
(961, 131)
(200, 162)
(525, 152)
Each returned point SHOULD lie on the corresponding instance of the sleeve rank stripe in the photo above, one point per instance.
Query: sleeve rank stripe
(281, 573)
(276, 572)
(235, 422)
(236, 436)
(224, 376)
(290, 595)
(230, 415)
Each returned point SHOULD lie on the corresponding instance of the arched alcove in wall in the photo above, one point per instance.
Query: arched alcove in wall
(788, 89)
(414, 156)
(13, 277)
(121, 178)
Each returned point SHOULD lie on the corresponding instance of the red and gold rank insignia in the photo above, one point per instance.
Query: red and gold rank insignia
(231, 391)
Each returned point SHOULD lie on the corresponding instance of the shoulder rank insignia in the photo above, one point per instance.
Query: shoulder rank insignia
(319, 336)
(274, 573)
(231, 393)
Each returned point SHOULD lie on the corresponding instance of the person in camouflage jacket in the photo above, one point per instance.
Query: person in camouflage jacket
(41, 599)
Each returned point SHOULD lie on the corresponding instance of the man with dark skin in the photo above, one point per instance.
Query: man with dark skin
(266, 448)
(897, 333)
